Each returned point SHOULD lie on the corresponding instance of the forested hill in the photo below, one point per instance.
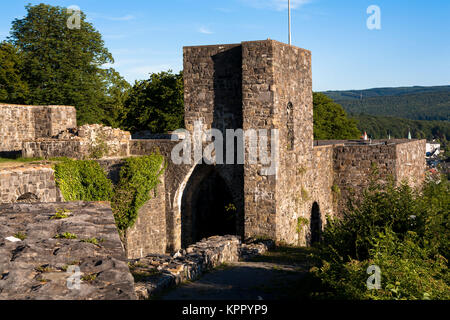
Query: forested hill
(416, 103)
(379, 127)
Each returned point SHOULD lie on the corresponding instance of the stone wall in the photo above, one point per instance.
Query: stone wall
(37, 267)
(83, 142)
(19, 123)
(293, 108)
(37, 180)
(410, 162)
(149, 234)
(258, 110)
(399, 160)
(213, 95)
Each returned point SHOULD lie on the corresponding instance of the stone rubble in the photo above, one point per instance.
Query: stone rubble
(156, 273)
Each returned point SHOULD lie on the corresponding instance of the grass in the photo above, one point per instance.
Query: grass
(287, 255)
(30, 160)
(60, 214)
(66, 235)
(20, 235)
(93, 241)
(223, 266)
(20, 160)
(140, 276)
(44, 269)
(89, 277)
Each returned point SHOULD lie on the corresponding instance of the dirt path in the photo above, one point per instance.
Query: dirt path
(275, 276)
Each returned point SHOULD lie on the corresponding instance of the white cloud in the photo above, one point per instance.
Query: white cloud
(278, 5)
(128, 17)
(204, 30)
(91, 16)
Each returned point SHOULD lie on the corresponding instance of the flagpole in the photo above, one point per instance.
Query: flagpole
(289, 14)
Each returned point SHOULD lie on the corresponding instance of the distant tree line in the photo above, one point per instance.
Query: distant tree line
(426, 105)
(379, 127)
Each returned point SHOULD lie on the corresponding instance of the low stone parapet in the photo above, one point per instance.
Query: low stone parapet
(155, 273)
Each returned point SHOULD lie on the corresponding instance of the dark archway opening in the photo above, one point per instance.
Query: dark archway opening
(315, 224)
(28, 198)
(207, 207)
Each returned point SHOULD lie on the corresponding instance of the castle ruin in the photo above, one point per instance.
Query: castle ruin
(252, 85)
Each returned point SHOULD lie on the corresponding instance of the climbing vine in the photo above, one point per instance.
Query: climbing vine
(138, 176)
(84, 180)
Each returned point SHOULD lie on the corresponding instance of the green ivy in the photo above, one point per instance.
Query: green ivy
(138, 176)
(83, 180)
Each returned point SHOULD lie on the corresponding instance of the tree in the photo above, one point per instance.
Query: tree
(62, 65)
(12, 88)
(331, 121)
(156, 104)
(118, 90)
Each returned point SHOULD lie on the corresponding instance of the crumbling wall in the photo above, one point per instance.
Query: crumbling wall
(88, 141)
(19, 123)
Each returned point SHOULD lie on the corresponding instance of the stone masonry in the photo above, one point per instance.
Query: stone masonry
(19, 123)
(37, 181)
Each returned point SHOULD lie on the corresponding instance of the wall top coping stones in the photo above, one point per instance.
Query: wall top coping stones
(361, 143)
(26, 168)
(31, 106)
(245, 42)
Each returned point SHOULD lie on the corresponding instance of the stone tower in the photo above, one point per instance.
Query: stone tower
(257, 85)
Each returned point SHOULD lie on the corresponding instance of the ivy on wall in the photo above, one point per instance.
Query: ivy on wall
(85, 180)
(138, 176)
(82, 180)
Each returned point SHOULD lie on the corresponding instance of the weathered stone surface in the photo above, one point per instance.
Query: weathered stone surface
(36, 267)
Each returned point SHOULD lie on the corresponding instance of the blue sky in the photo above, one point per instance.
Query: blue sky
(412, 47)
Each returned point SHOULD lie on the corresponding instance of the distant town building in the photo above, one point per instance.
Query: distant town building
(433, 149)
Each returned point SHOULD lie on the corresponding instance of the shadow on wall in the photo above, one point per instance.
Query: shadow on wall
(315, 234)
(28, 198)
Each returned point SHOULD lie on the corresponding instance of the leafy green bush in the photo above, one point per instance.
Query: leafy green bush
(138, 176)
(405, 232)
(83, 181)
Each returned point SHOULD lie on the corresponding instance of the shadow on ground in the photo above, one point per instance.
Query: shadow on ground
(281, 274)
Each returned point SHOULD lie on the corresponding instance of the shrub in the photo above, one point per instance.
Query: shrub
(405, 232)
